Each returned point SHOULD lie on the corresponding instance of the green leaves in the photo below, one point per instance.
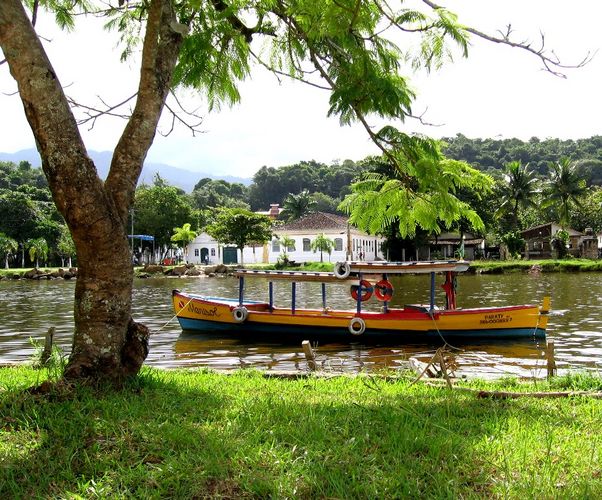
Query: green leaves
(565, 188)
(183, 235)
(240, 227)
(421, 192)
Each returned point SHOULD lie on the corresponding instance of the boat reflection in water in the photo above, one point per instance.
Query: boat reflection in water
(485, 359)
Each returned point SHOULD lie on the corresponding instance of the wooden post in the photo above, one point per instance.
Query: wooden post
(47, 352)
(310, 356)
(550, 358)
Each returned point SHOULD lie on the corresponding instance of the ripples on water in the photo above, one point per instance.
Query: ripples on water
(28, 308)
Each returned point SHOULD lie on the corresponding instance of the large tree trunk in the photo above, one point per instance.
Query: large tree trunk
(107, 343)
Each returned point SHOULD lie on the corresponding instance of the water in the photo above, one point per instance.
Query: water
(28, 308)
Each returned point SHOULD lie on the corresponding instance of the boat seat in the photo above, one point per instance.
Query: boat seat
(425, 308)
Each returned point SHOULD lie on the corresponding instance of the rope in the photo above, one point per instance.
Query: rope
(445, 342)
(154, 332)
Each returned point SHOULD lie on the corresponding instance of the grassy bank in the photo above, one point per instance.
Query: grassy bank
(545, 266)
(182, 434)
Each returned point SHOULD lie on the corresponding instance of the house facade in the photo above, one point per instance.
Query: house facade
(446, 245)
(349, 243)
(538, 242)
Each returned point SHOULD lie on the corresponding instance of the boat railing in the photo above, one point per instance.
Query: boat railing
(321, 277)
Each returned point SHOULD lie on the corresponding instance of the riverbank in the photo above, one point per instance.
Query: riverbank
(535, 266)
(476, 267)
(187, 434)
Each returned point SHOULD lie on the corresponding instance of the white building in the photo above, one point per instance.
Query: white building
(204, 250)
(349, 243)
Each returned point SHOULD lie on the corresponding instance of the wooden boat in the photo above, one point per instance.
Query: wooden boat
(197, 312)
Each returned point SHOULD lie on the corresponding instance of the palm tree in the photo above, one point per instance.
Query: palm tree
(38, 249)
(296, 206)
(564, 188)
(286, 242)
(65, 246)
(323, 244)
(518, 191)
(8, 246)
(184, 235)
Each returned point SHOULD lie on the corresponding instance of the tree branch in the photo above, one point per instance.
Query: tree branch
(162, 42)
(93, 113)
(549, 59)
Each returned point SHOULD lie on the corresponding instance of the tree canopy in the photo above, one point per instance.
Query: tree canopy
(240, 227)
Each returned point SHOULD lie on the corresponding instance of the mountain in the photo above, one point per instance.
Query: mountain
(180, 177)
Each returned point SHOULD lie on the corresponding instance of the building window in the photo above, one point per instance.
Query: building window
(196, 252)
(213, 252)
(291, 248)
(338, 244)
(276, 246)
(306, 245)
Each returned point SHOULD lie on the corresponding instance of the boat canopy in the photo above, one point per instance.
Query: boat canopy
(411, 267)
(352, 270)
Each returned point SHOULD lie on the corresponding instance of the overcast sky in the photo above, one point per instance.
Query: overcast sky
(497, 92)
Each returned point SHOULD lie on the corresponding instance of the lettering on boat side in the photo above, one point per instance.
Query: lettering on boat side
(203, 311)
(496, 318)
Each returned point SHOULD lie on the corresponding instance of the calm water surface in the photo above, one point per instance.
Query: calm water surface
(28, 308)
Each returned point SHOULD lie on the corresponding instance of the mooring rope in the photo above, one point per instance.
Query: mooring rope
(154, 332)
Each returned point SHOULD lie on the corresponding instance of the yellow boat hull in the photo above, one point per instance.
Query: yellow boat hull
(199, 313)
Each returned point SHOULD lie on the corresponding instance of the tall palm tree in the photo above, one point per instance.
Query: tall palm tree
(518, 191)
(8, 246)
(564, 188)
(184, 235)
(38, 249)
(296, 206)
(323, 244)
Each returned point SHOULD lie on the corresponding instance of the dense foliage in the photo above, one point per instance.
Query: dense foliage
(29, 215)
(520, 197)
(491, 155)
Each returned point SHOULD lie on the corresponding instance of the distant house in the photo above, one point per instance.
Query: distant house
(538, 242)
(447, 244)
(349, 242)
(205, 250)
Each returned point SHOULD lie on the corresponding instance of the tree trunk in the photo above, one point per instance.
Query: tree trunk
(107, 343)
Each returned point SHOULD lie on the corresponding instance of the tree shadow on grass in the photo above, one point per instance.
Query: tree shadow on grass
(196, 434)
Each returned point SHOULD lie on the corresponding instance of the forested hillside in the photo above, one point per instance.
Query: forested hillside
(491, 155)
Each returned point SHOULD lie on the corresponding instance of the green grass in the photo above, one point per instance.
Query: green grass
(558, 265)
(183, 434)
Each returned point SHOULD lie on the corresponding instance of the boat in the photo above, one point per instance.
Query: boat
(368, 279)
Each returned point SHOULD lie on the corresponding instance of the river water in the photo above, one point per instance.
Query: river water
(29, 308)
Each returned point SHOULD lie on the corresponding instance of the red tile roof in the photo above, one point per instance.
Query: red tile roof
(321, 221)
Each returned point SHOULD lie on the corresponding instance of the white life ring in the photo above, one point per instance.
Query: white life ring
(357, 326)
(342, 270)
(240, 313)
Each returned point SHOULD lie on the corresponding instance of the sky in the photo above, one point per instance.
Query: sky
(498, 92)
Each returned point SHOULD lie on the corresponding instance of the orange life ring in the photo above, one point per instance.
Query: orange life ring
(383, 290)
(364, 290)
